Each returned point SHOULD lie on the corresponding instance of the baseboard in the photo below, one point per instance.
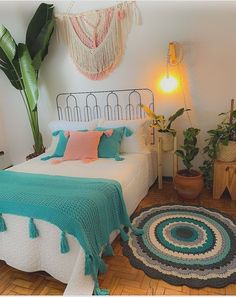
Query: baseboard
(167, 178)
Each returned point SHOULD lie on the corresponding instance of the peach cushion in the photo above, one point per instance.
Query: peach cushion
(82, 145)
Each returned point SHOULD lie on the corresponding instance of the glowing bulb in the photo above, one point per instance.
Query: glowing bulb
(168, 84)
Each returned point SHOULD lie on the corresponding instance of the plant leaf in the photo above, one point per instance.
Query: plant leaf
(29, 76)
(8, 64)
(234, 114)
(39, 32)
(42, 43)
(149, 112)
(180, 153)
(177, 114)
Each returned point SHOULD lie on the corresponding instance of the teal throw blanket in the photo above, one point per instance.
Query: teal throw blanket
(89, 209)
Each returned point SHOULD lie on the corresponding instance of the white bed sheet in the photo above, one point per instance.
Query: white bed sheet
(135, 174)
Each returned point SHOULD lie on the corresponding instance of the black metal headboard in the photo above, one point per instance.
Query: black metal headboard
(109, 104)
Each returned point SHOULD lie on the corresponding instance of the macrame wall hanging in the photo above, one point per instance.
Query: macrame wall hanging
(96, 39)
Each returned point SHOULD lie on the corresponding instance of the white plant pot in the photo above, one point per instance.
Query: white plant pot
(167, 141)
(227, 153)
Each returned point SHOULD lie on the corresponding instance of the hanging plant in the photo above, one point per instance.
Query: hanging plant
(21, 64)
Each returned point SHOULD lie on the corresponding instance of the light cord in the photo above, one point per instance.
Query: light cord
(183, 94)
(178, 63)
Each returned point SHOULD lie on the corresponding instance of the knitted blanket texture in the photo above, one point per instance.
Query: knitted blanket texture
(87, 208)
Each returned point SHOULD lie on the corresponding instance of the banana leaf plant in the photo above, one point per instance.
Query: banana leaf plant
(160, 122)
(21, 63)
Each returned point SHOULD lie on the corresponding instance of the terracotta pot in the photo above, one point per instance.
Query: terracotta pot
(227, 153)
(167, 141)
(188, 187)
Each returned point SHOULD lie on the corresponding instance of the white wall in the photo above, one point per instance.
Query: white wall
(205, 30)
(4, 159)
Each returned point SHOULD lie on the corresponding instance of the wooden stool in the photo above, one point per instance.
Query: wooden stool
(224, 177)
(160, 162)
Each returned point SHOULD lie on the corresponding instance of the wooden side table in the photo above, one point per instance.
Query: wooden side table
(160, 162)
(224, 177)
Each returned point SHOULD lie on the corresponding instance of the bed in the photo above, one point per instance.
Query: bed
(136, 173)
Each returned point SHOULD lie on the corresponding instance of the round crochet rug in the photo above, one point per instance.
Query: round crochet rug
(184, 245)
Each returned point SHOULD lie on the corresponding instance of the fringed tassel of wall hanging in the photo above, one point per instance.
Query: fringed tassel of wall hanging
(96, 39)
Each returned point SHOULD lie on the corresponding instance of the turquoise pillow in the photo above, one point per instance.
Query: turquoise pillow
(109, 146)
(61, 145)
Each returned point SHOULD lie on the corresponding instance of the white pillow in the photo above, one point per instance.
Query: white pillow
(136, 143)
(68, 126)
(72, 126)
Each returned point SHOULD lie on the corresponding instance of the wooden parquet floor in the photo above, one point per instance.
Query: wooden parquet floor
(121, 278)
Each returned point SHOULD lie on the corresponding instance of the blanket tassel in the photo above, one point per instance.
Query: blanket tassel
(108, 250)
(98, 291)
(64, 243)
(88, 263)
(124, 235)
(3, 226)
(102, 268)
(118, 157)
(33, 231)
(47, 158)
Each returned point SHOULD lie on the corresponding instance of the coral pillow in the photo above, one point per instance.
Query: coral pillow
(82, 145)
(60, 145)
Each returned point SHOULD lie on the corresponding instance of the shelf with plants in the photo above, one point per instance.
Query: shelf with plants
(220, 145)
(166, 137)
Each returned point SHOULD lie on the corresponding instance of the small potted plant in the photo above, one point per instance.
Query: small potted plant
(224, 138)
(189, 182)
(164, 126)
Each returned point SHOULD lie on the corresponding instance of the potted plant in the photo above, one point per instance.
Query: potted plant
(189, 182)
(164, 126)
(21, 64)
(221, 145)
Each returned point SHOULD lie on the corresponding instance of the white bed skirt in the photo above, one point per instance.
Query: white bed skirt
(136, 174)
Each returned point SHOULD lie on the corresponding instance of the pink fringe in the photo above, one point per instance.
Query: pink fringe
(109, 132)
(86, 161)
(56, 161)
(80, 33)
(94, 41)
(121, 14)
(100, 75)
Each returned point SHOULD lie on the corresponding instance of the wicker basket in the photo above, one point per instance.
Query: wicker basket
(167, 141)
(227, 153)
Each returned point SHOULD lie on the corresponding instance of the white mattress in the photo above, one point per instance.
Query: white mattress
(135, 174)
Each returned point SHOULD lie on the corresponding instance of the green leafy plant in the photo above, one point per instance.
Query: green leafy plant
(189, 150)
(225, 132)
(21, 63)
(161, 123)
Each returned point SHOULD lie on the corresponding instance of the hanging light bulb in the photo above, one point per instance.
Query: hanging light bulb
(169, 84)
